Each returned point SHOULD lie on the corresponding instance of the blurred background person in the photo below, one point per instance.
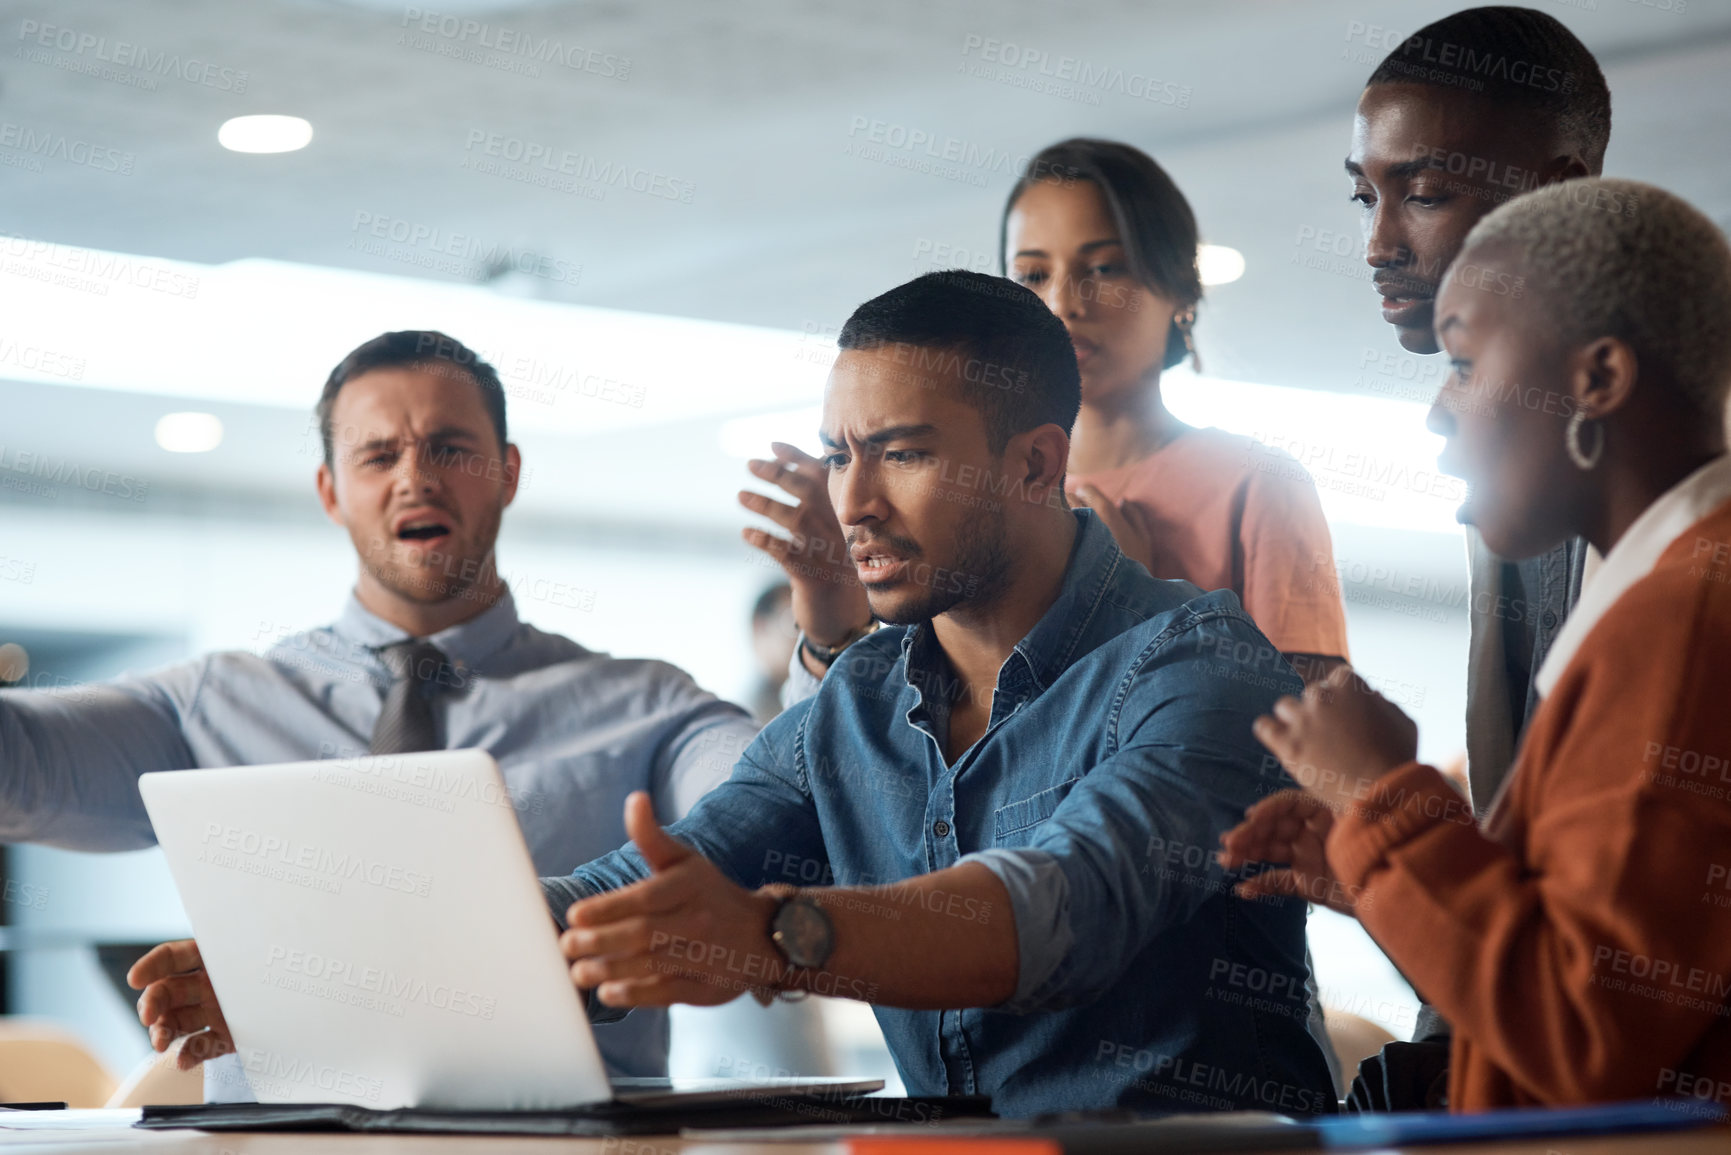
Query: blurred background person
(773, 637)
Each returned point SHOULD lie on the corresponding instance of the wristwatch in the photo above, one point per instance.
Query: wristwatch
(826, 655)
(802, 932)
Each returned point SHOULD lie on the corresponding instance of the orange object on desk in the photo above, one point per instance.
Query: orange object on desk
(976, 1145)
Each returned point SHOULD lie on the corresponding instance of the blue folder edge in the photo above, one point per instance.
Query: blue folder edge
(1350, 1131)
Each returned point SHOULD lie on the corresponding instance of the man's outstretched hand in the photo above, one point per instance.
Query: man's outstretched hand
(685, 934)
(179, 1000)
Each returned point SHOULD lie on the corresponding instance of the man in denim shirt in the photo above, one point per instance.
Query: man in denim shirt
(1010, 798)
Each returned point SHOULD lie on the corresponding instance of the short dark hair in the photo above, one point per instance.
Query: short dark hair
(1513, 56)
(1155, 223)
(1011, 353)
(413, 349)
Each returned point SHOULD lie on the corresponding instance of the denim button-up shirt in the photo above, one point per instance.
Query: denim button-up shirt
(1117, 752)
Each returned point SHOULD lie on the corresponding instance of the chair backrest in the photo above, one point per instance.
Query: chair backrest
(40, 1062)
(157, 1082)
(1354, 1038)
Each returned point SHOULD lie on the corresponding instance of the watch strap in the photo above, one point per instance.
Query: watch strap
(826, 655)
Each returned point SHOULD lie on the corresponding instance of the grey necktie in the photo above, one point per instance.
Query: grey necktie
(406, 723)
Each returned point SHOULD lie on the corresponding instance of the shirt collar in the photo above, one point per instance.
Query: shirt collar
(1048, 647)
(1634, 556)
(466, 644)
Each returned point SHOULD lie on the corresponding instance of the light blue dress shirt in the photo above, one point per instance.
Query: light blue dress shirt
(573, 731)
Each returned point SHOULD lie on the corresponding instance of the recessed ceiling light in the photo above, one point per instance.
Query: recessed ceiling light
(264, 134)
(189, 432)
(1218, 264)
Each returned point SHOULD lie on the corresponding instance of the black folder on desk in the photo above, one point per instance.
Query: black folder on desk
(831, 1118)
(596, 1119)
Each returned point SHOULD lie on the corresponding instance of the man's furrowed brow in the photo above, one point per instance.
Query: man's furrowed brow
(445, 433)
(899, 433)
(453, 433)
(893, 433)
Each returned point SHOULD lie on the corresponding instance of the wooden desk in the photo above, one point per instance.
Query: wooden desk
(1710, 1141)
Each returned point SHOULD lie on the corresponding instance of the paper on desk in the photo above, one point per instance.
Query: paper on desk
(78, 1120)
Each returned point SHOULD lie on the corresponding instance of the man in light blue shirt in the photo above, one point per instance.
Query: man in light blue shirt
(418, 470)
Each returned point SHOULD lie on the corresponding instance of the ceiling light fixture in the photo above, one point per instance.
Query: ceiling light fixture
(1218, 264)
(265, 134)
(189, 432)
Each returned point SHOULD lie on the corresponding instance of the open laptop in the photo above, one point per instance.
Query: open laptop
(376, 936)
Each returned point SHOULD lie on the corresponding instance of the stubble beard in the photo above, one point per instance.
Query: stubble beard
(451, 572)
(982, 560)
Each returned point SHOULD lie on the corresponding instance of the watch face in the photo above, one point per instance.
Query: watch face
(803, 932)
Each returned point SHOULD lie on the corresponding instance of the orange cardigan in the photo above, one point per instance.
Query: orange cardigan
(1581, 943)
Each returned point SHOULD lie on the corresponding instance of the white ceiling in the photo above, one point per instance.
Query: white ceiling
(751, 103)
